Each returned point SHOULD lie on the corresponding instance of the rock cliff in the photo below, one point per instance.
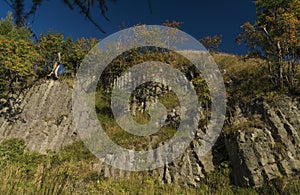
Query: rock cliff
(45, 121)
(42, 117)
(262, 140)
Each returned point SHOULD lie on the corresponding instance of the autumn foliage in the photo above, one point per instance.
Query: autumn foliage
(275, 36)
(17, 54)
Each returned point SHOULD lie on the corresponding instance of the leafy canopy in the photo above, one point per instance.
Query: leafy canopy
(17, 53)
(275, 36)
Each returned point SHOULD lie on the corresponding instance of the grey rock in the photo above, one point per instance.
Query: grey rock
(45, 121)
(265, 141)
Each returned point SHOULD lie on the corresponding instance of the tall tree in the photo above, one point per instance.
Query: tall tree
(275, 36)
(17, 55)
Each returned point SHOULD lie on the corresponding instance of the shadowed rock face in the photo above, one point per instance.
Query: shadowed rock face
(44, 119)
(265, 143)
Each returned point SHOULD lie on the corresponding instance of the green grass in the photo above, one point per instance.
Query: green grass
(244, 78)
(125, 139)
(70, 171)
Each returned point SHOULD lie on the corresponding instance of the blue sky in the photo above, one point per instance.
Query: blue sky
(201, 18)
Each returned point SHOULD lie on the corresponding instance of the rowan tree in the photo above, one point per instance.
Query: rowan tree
(275, 36)
(212, 43)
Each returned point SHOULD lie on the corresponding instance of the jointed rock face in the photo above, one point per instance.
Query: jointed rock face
(45, 120)
(262, 144)
(266, 141)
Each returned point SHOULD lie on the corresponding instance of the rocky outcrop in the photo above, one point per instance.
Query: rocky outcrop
(188, 169)
(43, 117)
(264, 140)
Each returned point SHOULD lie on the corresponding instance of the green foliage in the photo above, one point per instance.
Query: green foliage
(244, 79)
(17, 55)
(275, 36)
(8, 27)
(219, 179)
(125, 139)
(11, 150)
(70, 171)
(12, 153)
(73, 52)
(78, 50)
(75, 153)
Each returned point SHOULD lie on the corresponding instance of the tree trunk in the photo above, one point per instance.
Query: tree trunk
(55, 66)
(280, 75)
(280, 66)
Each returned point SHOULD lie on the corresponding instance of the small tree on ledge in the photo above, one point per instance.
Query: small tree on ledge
(212, 43)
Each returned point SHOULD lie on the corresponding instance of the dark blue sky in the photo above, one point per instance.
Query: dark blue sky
(201, 18)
